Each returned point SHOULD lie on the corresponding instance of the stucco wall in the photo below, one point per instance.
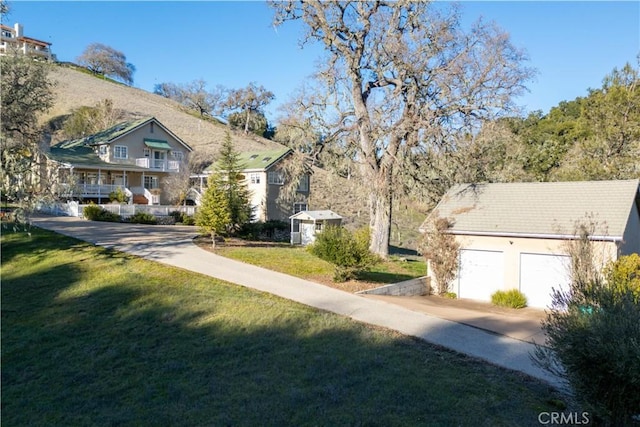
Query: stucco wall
(631, 238)
(512, 248)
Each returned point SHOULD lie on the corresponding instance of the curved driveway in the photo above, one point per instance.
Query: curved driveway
(173, 245)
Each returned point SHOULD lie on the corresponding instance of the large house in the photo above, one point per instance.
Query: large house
(514, 235)
(12, 40)
(136, 157)
(264, 178)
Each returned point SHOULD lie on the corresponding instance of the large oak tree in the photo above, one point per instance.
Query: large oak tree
(401, 78)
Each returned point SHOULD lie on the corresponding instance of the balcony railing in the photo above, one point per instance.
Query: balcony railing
(158, 165)
(91, 190)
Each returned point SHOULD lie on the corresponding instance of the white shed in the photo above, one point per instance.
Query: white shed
(305, 225)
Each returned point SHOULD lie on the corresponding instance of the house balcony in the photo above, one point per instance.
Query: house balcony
(158, 165)
(90, 190)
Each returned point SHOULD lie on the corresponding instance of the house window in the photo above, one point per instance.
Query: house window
(120, 152)
(299, 207)
(254, 178)
(303, 185)
(296, 226)
(102, 150)
(147, 152)
(318, 226)
(151, 182)
(177, 155)
(275, 178)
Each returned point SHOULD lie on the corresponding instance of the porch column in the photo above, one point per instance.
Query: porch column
(99, 186)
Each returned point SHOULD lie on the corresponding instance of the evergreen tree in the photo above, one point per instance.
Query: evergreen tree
(213, 214)
(232, 185)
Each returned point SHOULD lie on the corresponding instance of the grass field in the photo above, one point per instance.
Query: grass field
(95, 337)
(298, 261)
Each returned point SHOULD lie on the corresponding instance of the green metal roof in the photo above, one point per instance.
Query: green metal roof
(157, 143)
(107, 135)
(257, 160)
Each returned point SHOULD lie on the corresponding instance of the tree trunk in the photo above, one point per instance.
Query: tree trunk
(380, 198)
(213, 239)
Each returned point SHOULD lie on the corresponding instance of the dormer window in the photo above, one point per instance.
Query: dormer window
(102, 150)
(266, 159)
(253, 157)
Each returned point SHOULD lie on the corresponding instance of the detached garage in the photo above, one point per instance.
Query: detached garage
(480, 274)
(513, 235)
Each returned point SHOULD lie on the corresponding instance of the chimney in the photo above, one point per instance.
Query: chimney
(18, 29)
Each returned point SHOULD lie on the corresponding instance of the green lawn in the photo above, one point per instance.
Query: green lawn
(298, 261)
(95, 337)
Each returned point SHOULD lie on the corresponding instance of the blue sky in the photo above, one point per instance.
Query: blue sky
(573, 45)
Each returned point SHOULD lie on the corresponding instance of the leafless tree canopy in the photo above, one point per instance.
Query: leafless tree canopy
(105, 60)
(401, 78)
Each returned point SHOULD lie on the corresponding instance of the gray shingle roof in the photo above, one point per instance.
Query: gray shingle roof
(316, 215)
(539, 208)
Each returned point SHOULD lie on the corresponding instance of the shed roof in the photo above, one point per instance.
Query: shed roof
(316, 215)
(539, 208)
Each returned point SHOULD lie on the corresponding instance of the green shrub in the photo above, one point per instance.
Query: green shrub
(624, 274)
(143, 218)
(188, 220)
(348, 252)
(598, 349)
(118, 196)
(512, 298)
(96, 213)
(177, 215)
(272, 230)
(182, 217)
(450, 295)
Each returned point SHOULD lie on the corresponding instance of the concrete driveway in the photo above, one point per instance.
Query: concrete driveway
(172, 245)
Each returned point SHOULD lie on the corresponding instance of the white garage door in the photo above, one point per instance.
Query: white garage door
(539, 273)
(481, 273)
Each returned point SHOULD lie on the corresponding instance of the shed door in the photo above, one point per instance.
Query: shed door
(481, 273)
(539, 273)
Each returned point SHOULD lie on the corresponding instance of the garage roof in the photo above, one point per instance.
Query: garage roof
(539, 209)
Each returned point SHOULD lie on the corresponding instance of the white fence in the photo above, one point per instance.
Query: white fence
(125, 211)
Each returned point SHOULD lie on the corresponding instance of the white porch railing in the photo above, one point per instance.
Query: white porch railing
(75, 209)
(92, 190)
(158, 165)
(153, 199)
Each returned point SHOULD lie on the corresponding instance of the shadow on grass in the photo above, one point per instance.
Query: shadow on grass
(145, 344)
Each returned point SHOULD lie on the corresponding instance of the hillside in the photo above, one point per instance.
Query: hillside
(346, 197)
(74, 89)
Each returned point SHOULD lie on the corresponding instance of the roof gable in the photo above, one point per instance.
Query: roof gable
(116, 132)
(539, 208)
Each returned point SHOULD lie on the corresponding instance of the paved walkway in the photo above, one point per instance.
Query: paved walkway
(173, 245)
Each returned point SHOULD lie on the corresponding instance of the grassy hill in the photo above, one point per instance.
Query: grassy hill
(74, 89)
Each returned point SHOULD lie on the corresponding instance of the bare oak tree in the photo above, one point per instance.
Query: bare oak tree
(194, 95)
(105, 60)
(401, 78)
(248, 101)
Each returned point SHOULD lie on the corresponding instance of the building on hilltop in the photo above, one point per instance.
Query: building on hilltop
(12, 40)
